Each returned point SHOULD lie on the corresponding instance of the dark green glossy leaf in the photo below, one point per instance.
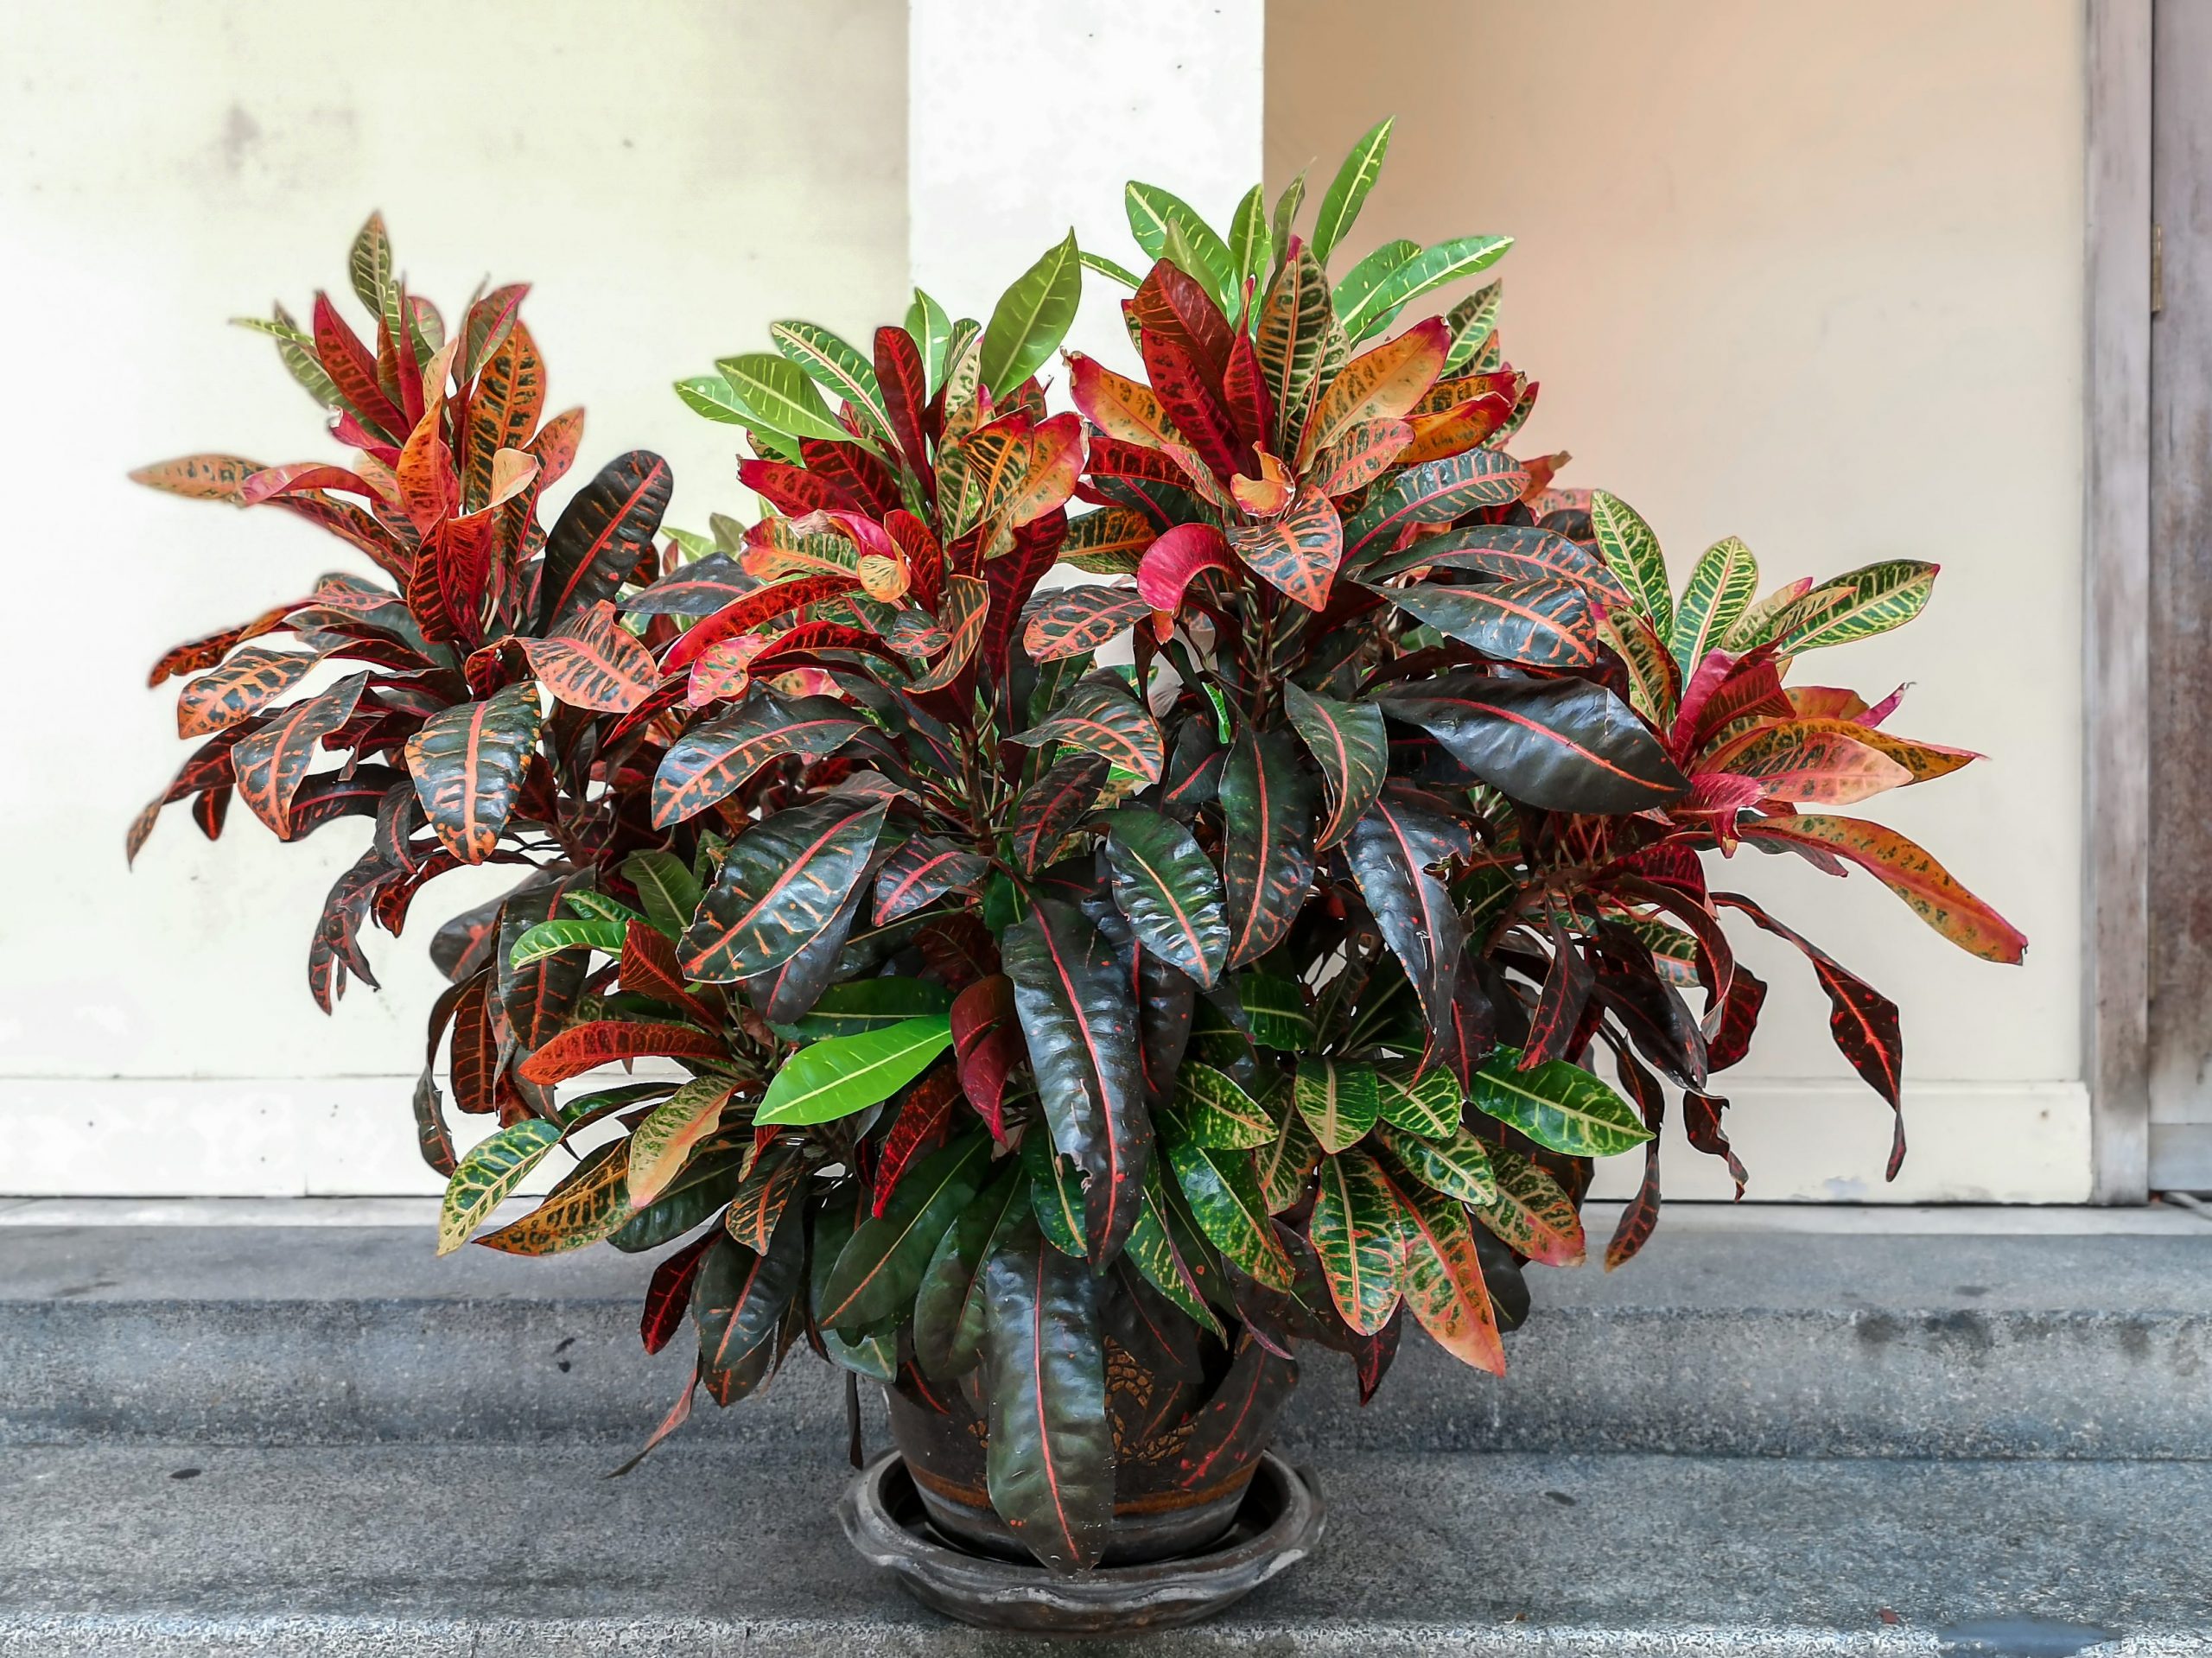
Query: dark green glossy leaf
(738, 1301)
(1080, 1017)
(1566, 745)
(863, 1005)
(1277, 1011)
(880, 1269)
(1169, 890)
(468, 765)
(600, 535)
(950, 1275)
(1268, 806)
(1050, 1457)
(1350, 743)
(1391, 851)
(712, 758)
(1347, 191)
(1055, 1193)
(1542, 623)
(782, 878)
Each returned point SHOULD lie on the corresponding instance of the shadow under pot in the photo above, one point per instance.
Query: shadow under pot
(1186, 1448)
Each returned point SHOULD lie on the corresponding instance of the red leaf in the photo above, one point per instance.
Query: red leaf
(1173, 562)
(987, 1043)
(793, 490)
(586, 1047)
(649, 968)
(668, 1297)
(592, 662)
(353, 370)
(900, 374)
(918, 1129)
(1701, 1124)
(762, 605)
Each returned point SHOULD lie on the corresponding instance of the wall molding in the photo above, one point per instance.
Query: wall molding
(352, 1136)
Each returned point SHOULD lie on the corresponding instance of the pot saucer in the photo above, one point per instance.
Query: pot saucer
(1279, 1525)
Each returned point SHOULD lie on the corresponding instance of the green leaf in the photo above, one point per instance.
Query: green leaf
(930, 325)
(1471, 322)
(598, 906)
(1276, 1008)
(710, 395)
(1055, 1193)
(1292, 336)
(1213, 1109)
(1225, 1199)
(1721, 586)
(1251, 244)
(1160, 1259)
(1341, 201)
(1032, 318)
(1857, 605)
(492, 1169)
(666, 884)
(1169, 890)
(1446, 262)
(1050, 1467)
(1157, 216)
(369, 264)
(880, 1269)
(782, 887)
(1355, 1233)
(1106, 267)
(776, 393)
(1560, 1105)
(832, 1079)
(550, 937)
(1459, 1167)
(1427, 1103)
(1351, 295)
(834, 365)
(1285, 217)
(1285, 1162)
(860, 1005)
(1338, 1100)
(1631, 552)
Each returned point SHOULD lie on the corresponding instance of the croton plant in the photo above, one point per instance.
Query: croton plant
(1204, 953)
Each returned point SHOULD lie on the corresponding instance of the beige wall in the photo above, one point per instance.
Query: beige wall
(1807, 272)
(670, 176)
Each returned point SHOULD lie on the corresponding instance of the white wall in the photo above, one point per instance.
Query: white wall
(1809, 274)
(672, 174)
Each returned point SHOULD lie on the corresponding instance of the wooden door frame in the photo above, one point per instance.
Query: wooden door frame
(2116, 563)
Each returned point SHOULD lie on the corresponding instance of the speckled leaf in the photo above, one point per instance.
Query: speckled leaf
(1531, 1212)
(1338, 1098)
(1356, 1230)
(492, 1168)
(468, 765)
(1225, 1199)
(1443, 1279)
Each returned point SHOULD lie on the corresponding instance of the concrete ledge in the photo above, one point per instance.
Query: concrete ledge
(1715, 1342)
(429, 1550)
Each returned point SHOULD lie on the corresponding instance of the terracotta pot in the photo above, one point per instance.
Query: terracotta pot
(1185, 1450)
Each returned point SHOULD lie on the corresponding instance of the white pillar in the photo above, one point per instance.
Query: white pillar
(1026, 116)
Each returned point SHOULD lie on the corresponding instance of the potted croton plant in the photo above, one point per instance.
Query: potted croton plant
(1070, 1002)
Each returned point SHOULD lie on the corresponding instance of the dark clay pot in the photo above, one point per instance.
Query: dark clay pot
(1185, 1450)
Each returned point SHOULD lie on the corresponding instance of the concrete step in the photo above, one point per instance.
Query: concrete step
(1724, 1338)
(436, 1551)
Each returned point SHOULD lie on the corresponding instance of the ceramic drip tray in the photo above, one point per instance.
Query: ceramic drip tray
(1279, 1525)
